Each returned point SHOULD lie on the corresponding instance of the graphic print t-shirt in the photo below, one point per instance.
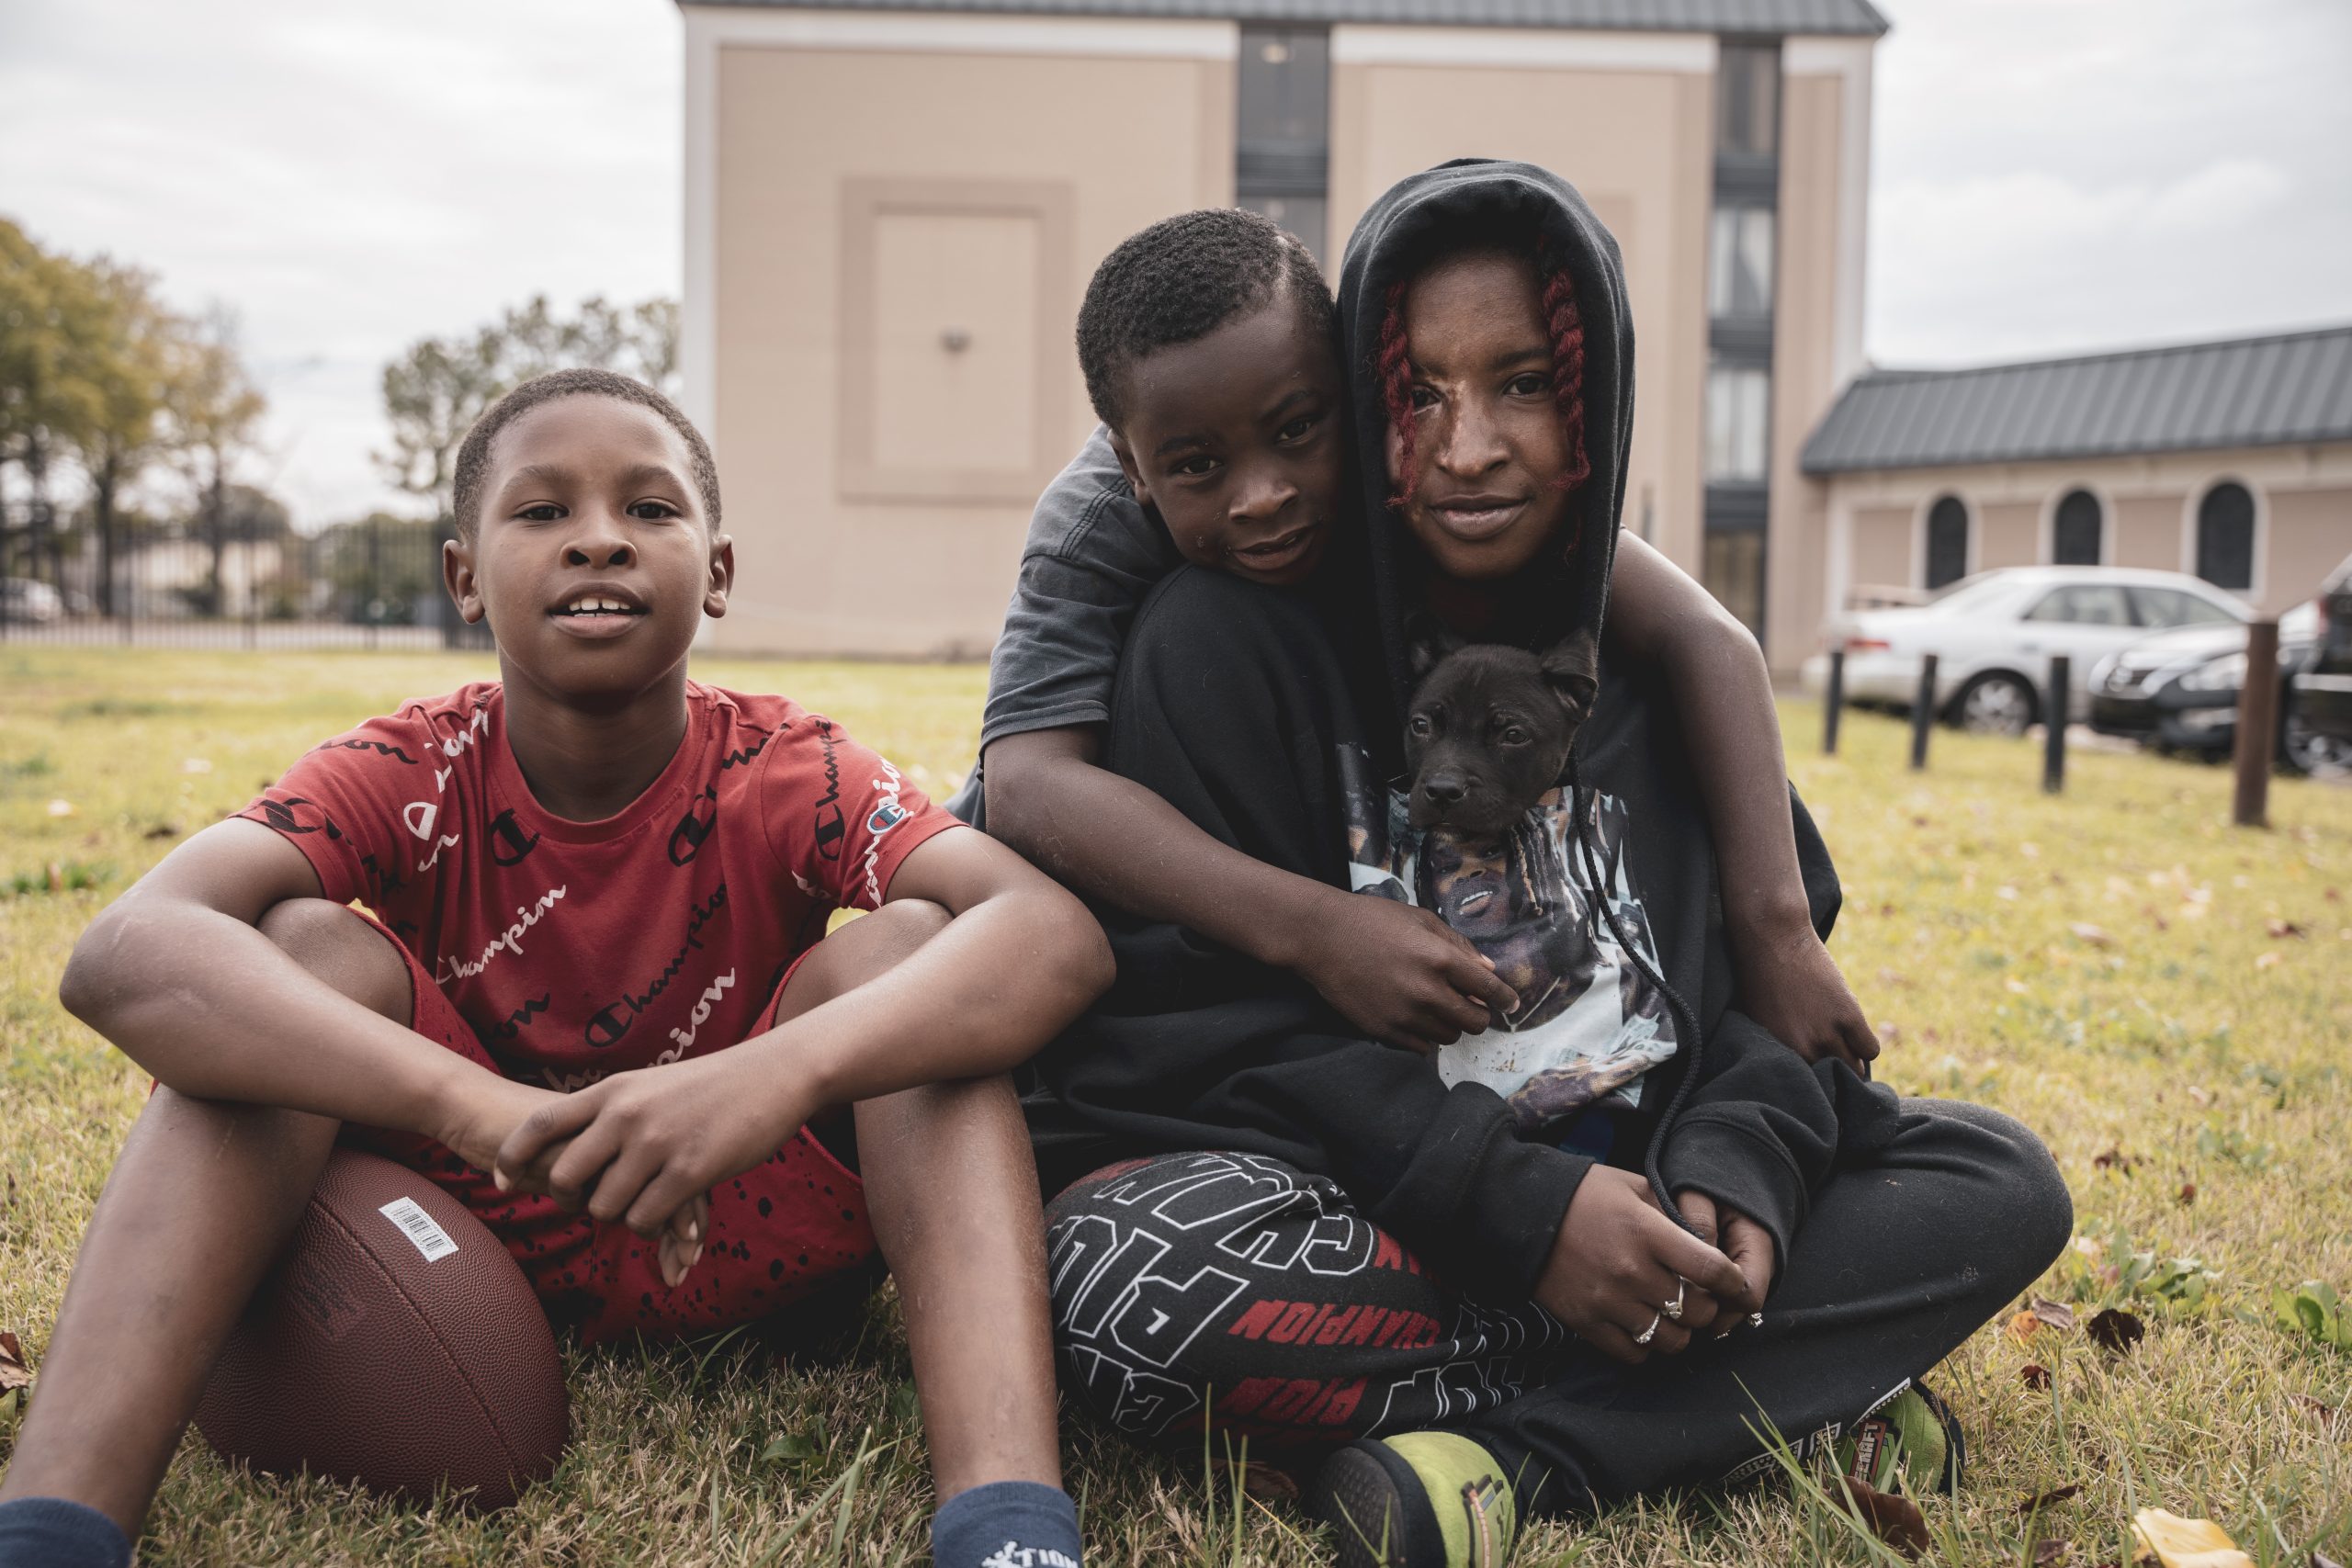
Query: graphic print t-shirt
(577, 950)
(1589, 1023)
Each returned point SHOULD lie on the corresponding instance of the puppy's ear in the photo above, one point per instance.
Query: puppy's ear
(1572, 667)
(1429, 642)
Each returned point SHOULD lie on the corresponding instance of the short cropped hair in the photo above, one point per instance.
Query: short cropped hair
(473, 457)
(1182, 278)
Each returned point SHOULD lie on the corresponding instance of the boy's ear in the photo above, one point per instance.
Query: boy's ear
(1429, 642)
(722, 575)
(458, 576)
(1127, 456)
(1572, 667)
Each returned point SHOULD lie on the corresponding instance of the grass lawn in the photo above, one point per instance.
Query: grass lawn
(2167, 999)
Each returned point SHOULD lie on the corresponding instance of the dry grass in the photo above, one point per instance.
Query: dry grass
(2118, 967)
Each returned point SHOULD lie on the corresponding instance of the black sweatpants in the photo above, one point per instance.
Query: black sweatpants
(1209, 1279)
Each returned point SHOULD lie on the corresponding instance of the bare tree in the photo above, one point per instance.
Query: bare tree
(215, 412)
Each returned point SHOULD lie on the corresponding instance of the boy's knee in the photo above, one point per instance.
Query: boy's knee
(2026, 1194)
(339, 947)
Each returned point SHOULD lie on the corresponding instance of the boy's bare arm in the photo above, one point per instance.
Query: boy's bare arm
(176, 975)
(1394, 971)
(1016, 962)
(1723, 690)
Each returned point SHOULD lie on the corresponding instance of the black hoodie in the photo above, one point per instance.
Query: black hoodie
(1198, 1049)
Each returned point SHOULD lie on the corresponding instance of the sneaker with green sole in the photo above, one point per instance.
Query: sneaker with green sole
(1416, 1500)
(1911, 1445)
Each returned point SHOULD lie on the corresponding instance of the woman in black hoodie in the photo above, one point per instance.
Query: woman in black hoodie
(1356, 1254)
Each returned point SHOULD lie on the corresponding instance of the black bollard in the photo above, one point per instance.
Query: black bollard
(2258, 734)
(1923, 713)
(2056, 705)
(1833, 702)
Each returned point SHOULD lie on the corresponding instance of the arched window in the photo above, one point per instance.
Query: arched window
(2075, 530)
(2225, 536)
(1947, 542)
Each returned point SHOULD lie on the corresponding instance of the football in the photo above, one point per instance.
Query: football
(395, 1345)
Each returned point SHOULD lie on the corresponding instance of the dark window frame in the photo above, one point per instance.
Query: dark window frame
(2061, 522)
(2205, 551)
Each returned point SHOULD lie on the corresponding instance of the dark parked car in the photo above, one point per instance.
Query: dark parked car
(2322, 692)
(2178, 690)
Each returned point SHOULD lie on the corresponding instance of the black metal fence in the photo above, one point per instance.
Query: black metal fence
(375, 584)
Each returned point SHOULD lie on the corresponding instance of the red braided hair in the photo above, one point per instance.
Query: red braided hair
(1562, 322)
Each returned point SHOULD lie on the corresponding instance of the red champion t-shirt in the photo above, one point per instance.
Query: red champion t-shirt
(577, 950)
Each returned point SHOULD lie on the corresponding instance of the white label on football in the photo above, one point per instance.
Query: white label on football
(418, 1226)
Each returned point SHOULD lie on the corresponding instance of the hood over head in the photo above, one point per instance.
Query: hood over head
(1558, 600)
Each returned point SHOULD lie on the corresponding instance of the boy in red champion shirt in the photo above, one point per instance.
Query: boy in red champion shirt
(592, 1002)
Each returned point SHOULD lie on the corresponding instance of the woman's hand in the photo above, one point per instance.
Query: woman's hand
(1789, 984)
(1400, 974)
(1618, 1260)
(1746, 1242)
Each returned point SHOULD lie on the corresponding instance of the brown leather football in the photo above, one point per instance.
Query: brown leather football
(396, 1345)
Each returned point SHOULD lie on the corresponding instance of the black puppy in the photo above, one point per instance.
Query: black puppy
(1488, 729)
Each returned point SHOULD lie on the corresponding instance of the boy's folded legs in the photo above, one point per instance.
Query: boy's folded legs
(200, 1201)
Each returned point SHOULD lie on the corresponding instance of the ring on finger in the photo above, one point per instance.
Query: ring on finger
(1647, 1335)
(1673, 1309)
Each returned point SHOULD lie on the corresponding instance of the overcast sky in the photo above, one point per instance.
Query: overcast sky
(2047, 175)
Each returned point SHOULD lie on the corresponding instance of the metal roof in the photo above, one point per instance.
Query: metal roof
(2260, 391)
(1810, 18)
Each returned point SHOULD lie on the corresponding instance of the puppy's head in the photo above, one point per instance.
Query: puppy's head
(1488, 729)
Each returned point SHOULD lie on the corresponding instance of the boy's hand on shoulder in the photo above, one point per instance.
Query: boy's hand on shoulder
(1789, 984)
(641, 1147)
(1398, 973)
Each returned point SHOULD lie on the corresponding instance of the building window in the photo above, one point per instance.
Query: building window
(1283, 141)
(1739, 265)
(2225, 536)
(2076, 529)
(1947, 542)
(1739, 402)
(1748, 100)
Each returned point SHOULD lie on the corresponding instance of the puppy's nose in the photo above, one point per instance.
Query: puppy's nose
(1442, 789)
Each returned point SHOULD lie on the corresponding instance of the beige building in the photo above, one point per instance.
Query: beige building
(2229, 460)
(892, 210)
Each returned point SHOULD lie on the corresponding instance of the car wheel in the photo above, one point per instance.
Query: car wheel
(1994, 705)
(2307, 751)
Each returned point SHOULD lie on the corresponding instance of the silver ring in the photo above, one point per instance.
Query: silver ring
(1647, 1335)
(1754, 1320)
(1673, 1309)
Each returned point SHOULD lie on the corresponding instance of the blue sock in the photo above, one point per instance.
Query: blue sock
(50, 1532)
(1006, 1524)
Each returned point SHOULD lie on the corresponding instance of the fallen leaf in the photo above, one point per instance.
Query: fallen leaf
(164, 830)
(195, 765)
(2279, 928)
(2188, 1193)
(2202, 1095)
(2320, 1409)
(2177, 1542)
(2266, 961)
(2057, 1314)
(2021, 1327)
(2052, 1551)
(2117, 1330)
(62, 808)
(14, 1373)
(2114, 1159)
(2041, 1500)
(2035, 1376)
(1896, 1520)
(2086, 932)
(2322, 1560)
